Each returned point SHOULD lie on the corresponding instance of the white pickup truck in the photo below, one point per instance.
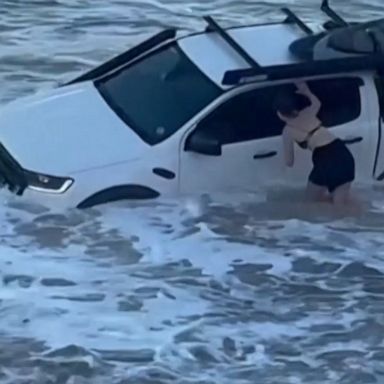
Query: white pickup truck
(193, 114)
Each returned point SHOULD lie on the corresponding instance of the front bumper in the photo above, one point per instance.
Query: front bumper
(12, 175)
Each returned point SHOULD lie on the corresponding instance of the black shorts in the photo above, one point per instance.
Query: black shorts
(333, 165)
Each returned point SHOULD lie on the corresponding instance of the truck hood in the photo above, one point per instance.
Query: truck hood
(66, 130)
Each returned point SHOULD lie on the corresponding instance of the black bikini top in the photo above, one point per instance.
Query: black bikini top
(304, 144)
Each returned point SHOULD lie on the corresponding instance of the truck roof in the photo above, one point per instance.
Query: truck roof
(266, 44)
(285, 50)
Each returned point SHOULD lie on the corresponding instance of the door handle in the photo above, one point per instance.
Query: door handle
(265, 155)
(352, 140)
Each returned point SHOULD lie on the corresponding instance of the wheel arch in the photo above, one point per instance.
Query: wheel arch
(119, 192)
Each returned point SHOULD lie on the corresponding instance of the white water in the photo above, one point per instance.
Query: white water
(241, 289)
(166, 279)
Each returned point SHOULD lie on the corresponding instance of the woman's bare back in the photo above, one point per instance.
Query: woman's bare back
(302, 126)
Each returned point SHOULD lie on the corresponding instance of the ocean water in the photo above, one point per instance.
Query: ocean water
(256, 288)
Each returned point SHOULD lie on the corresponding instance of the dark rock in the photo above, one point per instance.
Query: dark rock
(68, 351)
(202, 354)
(24, 281)
(358, 377)
(130, 304)
(229, 346)
(56, 282)
(308, 265)
(90, 297)
(128, 356)
(338, 356)
(360, 270)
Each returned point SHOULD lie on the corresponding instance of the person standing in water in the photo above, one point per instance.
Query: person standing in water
(333, 164)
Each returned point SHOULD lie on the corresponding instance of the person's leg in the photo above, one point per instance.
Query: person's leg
(342, 176)
(344, 202)
(316, 192)
(316, 185)
(341, 196)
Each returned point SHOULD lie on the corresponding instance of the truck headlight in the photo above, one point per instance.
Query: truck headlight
(47, 183)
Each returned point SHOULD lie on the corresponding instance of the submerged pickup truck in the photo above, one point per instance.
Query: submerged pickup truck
(191, 114)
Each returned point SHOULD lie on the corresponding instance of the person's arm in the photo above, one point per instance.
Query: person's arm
(303, 88)
(289, 154)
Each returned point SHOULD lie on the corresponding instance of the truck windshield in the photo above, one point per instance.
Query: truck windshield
(159, 93)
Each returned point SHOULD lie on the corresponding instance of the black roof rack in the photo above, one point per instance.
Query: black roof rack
(311, 68)
(214, 26)
(292, 17)
(306, 68)
(256, 72)
(337, 19)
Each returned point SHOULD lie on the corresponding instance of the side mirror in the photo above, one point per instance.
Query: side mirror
(204, 143)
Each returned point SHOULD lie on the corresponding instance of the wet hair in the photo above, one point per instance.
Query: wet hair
(287, 102)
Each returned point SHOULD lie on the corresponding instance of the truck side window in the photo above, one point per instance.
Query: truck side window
(246, 116)
(340, 99)
(251, 116)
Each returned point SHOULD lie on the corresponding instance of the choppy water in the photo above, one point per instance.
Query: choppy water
(241, 289)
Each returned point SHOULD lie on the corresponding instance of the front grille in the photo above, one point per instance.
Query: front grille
(12, 174)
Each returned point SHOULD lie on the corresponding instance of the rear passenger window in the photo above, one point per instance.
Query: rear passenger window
(340, 99)
(251, 115)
